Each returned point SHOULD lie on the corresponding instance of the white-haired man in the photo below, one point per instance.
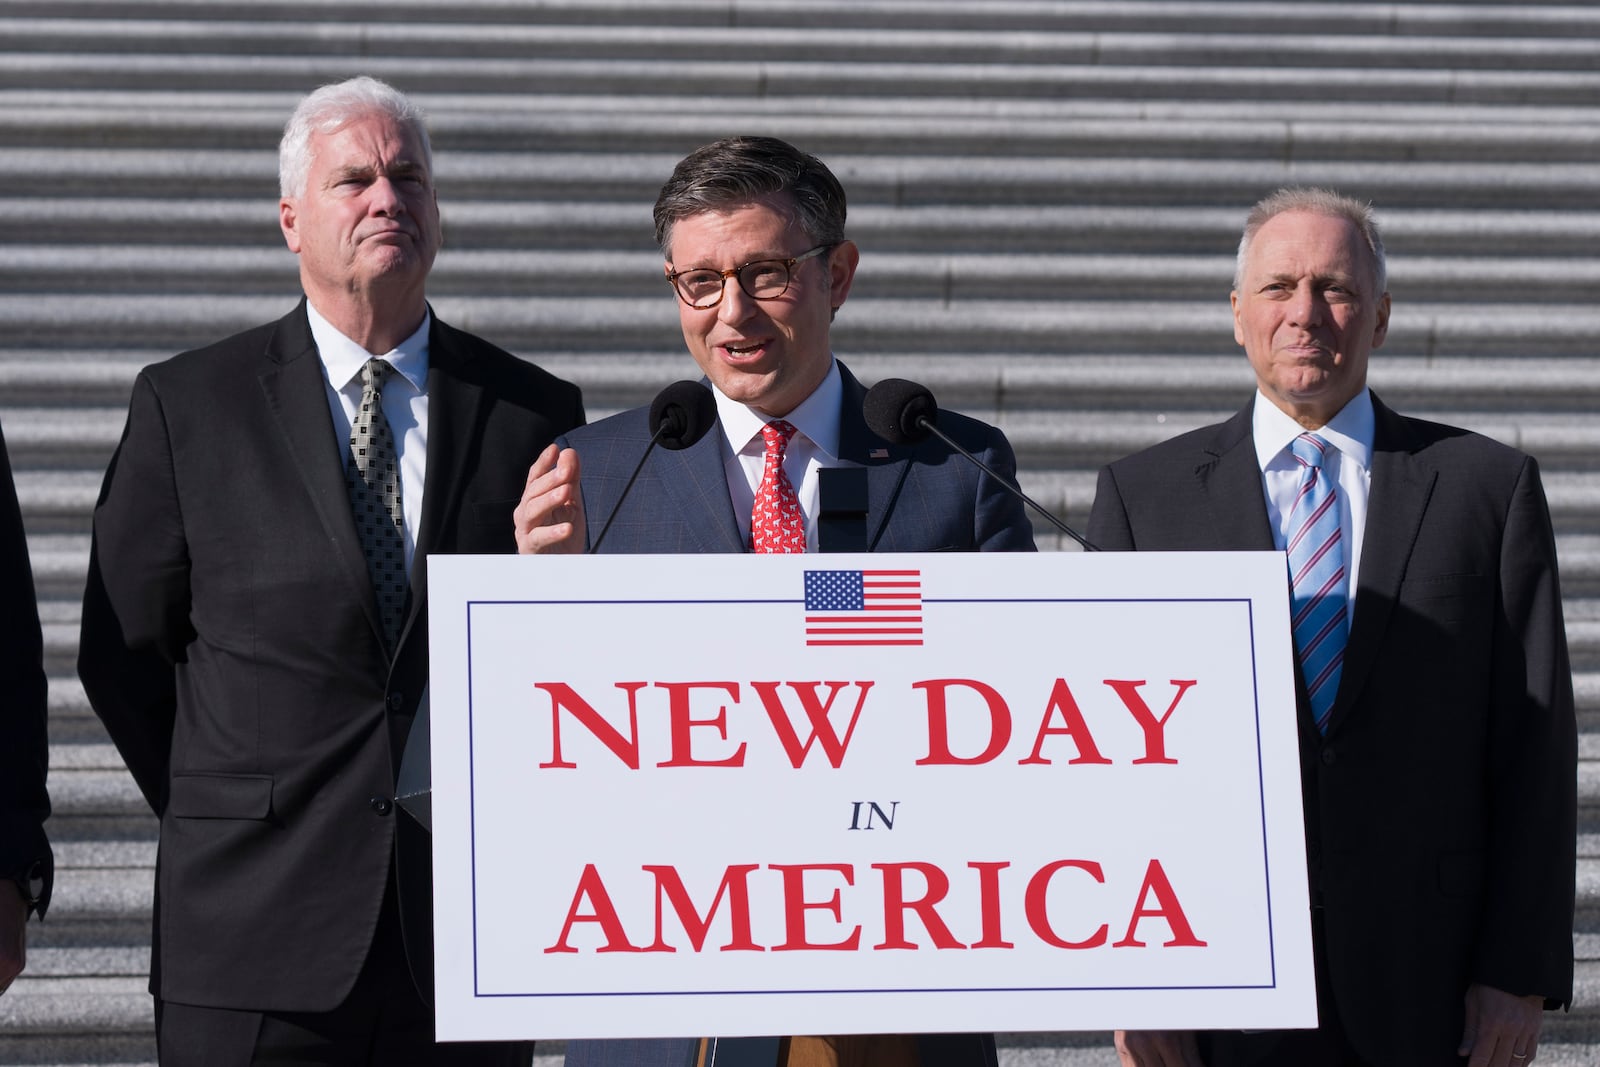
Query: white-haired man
(255, 627)
(1437, 737)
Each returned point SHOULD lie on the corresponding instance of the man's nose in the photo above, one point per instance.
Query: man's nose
(1305, 308)
(736, 305)
(384, 198)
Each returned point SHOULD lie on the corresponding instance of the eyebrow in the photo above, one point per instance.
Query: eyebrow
(760, 257)
(399, 168)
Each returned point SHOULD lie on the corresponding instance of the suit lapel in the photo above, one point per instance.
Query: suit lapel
(293, 384)
(887, 465)
(1401, 486)
(1231, 485)
(697, 477)
(454, 410)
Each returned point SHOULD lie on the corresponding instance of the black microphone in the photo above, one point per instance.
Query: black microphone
(905, 413)
(681, 413)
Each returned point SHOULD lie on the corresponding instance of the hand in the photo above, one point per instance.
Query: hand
(1502, 1029)
(1157, 1048)
(13, 932)
(550, 516)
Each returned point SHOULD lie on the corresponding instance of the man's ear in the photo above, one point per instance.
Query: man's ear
(1382, 330)
(842, 263)
(287, 222)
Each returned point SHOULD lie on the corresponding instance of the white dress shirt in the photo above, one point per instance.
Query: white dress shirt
(405, 405)
(815, 445)
(1349, 463)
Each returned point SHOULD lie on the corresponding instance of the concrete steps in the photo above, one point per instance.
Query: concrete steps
(1047, 193)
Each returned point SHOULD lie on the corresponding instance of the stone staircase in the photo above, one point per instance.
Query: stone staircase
(1047, 194)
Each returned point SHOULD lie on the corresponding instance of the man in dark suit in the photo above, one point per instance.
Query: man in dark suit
(1437, 734)
(753, 234)
(255, 624)
(25, 859)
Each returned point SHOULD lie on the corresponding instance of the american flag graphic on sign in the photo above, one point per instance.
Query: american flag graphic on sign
(864, 607)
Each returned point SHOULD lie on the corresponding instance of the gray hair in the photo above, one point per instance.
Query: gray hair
(1320, 202)
(327, 109)
(732, 172)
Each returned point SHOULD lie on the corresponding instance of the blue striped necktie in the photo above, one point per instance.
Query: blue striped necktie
(1318, 584)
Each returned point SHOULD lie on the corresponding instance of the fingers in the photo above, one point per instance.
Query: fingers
(1501, 1030)
(549, 517)
(1157, 1048)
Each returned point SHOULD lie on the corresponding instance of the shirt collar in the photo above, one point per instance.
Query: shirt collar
(344, 358)
(817, 416)
(1350, 431)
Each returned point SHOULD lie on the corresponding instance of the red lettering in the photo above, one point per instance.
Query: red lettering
(734, 886)
(822, 731)
(681, 722)
(1155, 741)
(989, 904)
(895, 905)
(1036, 904)
(1073, 726)
(1156, 883)
(795, 906)
(602, 912)
(939, 753)
(562, 695)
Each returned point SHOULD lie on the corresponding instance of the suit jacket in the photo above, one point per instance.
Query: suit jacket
(1440, 806)
(232, 646)
(24, 755)
(920, 498)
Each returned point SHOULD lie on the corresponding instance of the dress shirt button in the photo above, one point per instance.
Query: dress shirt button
(1329, 758)
(381, 805)
(395, 700)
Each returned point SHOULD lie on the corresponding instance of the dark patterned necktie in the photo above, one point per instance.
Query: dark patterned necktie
(373, 478)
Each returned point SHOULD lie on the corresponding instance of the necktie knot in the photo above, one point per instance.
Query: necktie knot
(777, 434)
(1309, 449)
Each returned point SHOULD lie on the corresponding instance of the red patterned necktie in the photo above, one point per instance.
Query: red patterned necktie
(776, 524)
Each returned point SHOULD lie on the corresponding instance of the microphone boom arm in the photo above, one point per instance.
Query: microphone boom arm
(925, 423)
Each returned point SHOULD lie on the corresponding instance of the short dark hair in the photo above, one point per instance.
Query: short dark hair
(734, 171)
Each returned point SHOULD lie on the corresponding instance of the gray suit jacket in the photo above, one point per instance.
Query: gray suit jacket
(1440, 806)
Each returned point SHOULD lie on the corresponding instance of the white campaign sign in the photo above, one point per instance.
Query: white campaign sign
(951, 792)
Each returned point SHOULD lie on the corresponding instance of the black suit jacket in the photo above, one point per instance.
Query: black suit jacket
(232, 646)
(920, 498)
(24, 755)
(1440, 806)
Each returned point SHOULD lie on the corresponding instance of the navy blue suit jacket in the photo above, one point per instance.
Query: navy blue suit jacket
(921, 498)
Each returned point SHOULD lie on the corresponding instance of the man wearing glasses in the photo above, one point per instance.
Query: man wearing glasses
(753, 234)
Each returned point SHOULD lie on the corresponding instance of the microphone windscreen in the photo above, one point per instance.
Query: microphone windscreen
(682, 412)
(894, 410)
